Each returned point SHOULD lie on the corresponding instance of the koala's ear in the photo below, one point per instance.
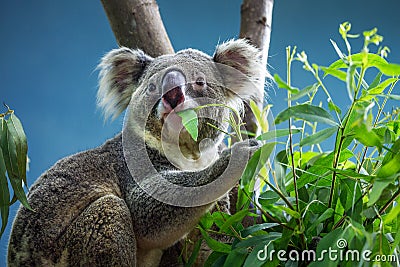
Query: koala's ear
(120, 71)
(240, 55)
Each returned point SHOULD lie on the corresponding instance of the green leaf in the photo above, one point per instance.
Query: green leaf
(206, 221)
(341, 75)
(236, 257)
(289, 211)
(284, 85)
(350, 84)
(256, 111)
(256, 162)
(396, 240)
(367, 138)
(255, 228)
(215, 258)
(237, 217)
(276, 134)
(390, 168)
(376, 81)
(378, 89)
(268, 197)
(14, 126)
(379, 185)
(10, 158)
(328, 243)
(394, 212)
(306, 112)
(328, 213)
(351, 198)
(304, 92)
(373, 60)
(319, 169)
(255, 240)
(214, 244)
(318, 137)
(190, 122)
(353, 174)
(388, 69)
(4, 191)
(333, 107)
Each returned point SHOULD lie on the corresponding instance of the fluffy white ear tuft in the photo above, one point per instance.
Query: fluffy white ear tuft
(120, 71)
(240, 55)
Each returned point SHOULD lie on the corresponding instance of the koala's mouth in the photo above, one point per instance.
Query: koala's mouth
(171, 102)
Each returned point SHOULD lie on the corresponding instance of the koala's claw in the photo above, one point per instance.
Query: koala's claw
(254, 142)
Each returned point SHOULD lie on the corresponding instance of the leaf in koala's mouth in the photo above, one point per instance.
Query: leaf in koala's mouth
(190, 122)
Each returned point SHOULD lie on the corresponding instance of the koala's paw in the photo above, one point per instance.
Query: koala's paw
(245, 149)
(249, 147)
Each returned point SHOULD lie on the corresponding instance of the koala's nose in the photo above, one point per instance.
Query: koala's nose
(173, 86)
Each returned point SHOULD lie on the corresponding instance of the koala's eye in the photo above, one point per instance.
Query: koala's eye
(200, 81)
(151, 88)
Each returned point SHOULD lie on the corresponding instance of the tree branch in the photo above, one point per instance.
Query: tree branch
(255, 26)
(138, 24)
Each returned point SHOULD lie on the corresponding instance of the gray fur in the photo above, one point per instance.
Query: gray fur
(89, 211)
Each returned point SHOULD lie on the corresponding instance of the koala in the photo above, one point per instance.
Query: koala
(98, 207)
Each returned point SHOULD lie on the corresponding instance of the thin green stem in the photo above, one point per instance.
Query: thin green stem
(282, 196)
(289, 57)
(341, 136)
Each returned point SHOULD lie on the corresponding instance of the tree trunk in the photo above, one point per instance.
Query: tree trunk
(255, 26)
(138, 24)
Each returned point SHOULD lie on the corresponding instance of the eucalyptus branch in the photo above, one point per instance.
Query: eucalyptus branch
(380, 110)
(289, 59)
(266, 214)
(282, 196)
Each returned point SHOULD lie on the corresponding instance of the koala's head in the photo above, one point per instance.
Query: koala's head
(158, 87)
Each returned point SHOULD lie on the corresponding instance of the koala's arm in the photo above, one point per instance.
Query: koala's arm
(199, 178)
(229, 158)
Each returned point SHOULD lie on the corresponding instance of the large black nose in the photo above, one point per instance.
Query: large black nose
(173, 87)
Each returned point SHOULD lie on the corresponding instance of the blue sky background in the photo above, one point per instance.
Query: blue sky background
(49, 50)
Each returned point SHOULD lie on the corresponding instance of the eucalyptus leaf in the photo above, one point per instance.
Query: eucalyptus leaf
(341, 75)
(256, 162)
(255, 240)
(4, 194)
(237, 217)
(307, 90)
(214, 244)
(284, 85)
(14, 126)
(320, 169)
(318, 137)
(373, 60)
(10, 158)
(255, 228)
(378, 89)
(328, 213)
(276, 134)
(236, 257)
(350, 84)
(190, 122)
(306, 112)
